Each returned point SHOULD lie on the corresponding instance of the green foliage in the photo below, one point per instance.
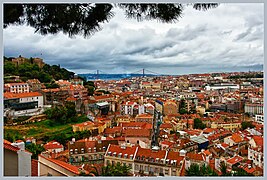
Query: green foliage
(28, 70)
(35, 149)
(247, 76)
(109, 170)
(12, 135)
(9, 68)
(90, 89)
(183, 108)
(52, 85)
(246, 124)
(198, 124)
(103, 91)
(62, 114)
(241, 172)
(196, 170)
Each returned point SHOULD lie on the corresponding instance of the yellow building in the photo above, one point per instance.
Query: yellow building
(229, 125)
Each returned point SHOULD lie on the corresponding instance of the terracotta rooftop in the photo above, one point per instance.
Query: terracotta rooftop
(237, 138)
(137, 132)
(64, 165)
(10, 95)
(123, 150)
(258, 140)
(234, 160)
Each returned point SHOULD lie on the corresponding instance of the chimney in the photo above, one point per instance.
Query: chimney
(20, 145)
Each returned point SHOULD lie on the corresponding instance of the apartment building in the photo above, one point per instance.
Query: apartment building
(145, 161)
(17, 87)
(89, 151)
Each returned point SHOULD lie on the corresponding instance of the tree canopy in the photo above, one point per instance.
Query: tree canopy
(87, 18)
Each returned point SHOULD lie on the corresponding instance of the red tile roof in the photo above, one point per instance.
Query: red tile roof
(53, 145)
(167, 143)
(194, 156)
(7, 142)
(166, 126)
(137, 132)
(10, 147)
(234, 160)
(175, 156)
(237, 138)
(124, 150)
(148, 153)
(258, 140)
(64, 165)
(10, 95)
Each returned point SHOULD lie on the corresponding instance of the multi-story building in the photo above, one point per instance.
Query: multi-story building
(259, 119)
(89, 151)
(17, 87)
(131, 108)
(34, 85)
(17, 160)
(254, 109)
(23, 103)
(144, 118)
(226, 125)
(145, 161)
(255, 151)
(170, 107)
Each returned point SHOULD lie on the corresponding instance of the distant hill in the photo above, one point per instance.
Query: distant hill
(34, 68)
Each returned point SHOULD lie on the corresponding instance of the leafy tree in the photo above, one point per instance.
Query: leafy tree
(196, 170)
(35, 149)
(241, 172)
(246, 124)
(86, 19)
(90, 90)
(110, 170)
(9, 68)
(223, 168)
(198, 124)
(12, 135)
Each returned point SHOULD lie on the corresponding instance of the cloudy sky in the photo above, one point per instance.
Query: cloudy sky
(227, 38)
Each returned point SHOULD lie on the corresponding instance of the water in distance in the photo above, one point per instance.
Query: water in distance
(91, 77)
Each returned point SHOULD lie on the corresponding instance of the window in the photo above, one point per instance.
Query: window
(146, 168)
(89, 150)
(125, 155)
(130, 165)
(71, 151)
(131, 156)
(82, 150)
(76, 151)
(137, 167)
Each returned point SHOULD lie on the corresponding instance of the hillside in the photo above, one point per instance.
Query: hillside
(34, 68)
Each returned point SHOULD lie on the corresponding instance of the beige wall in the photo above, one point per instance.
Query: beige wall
(46, 166)
(10, 163)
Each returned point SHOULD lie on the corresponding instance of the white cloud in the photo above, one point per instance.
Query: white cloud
(229, 37)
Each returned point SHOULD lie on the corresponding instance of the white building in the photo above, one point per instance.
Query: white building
(259, 119)
(254, 108)
(255, 150)
(17, 161)
(17, 87)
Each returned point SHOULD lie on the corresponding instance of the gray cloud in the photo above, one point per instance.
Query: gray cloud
(227, 38)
